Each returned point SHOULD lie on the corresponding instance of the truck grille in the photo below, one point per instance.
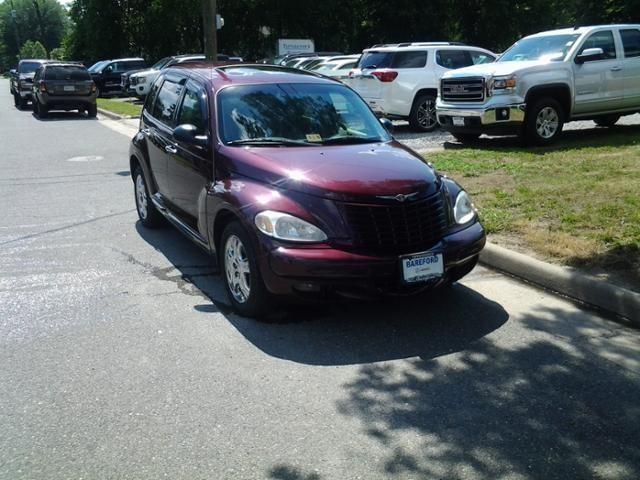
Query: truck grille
(462, 89)
(398, 228)
(133, 80)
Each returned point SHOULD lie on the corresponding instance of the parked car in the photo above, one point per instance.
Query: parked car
(107, 74)
(140, 82)
(63, 86)
(295, 58)
(545, 80)
(297, 188)
(21, 81)
(336, 68)
(400, 81)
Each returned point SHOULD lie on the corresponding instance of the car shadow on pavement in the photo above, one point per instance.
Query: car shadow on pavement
(563, 404)
(64, 116)
(337, 332)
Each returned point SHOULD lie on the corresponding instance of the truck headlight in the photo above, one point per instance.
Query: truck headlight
(287, 227)
(506, 84)
(464, 210)
(141, 80)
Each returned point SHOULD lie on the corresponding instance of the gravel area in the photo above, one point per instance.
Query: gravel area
(436, 140)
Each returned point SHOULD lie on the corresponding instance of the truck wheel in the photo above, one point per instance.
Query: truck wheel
(92, 110)
(147, 212)
(241, 274)
(543, 122)
(606, 120)
(423, 114)
(466, 137)
(17, 101)
(40, 110)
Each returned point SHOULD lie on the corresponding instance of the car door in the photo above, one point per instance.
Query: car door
(158, 122)
(190, 169)
(630, 38)
(599, 84)
(111, 77)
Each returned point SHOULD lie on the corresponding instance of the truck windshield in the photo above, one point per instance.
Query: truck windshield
(552, 48)
(96, 67)
(28, 67)
(295, 114)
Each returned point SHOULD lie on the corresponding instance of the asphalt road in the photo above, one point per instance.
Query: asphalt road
(120, 359)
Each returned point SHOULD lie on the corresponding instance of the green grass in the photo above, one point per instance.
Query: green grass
(120, 107)
(577, 203)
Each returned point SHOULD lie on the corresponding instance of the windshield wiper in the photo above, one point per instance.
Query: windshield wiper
(269, 141)
(350, 139)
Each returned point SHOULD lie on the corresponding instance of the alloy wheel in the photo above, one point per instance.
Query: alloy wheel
(547, 122)
(426, 114)
(237, 268)
(141, 197)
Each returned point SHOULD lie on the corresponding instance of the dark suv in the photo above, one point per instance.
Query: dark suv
(63, 86)
(107, 74)
(296, 186)
(22, 81)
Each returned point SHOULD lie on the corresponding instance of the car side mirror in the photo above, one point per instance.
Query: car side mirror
(109, 69)
(187, 133)
(13, 72)
(590, 55)
(387, 124)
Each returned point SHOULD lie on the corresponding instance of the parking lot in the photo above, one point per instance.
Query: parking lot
(122, 359)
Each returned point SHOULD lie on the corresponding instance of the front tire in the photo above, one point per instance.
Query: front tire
(543, 122)
(606, 120)
(423, 114)
(241, 274)
(147, 212)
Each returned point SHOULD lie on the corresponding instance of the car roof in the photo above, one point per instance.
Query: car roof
(579, 30)
(422, 47)
(128, 59)
(64, 64)
(222, 74)
(35, 60)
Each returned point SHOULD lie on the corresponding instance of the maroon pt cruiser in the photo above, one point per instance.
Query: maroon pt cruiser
(296, 186)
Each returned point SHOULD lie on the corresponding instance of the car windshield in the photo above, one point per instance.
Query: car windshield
(295, 114)
(96, 67)
(546, 47)
(160, 63)
(28, 67)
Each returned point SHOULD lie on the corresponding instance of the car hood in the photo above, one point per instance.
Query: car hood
(145, 73)
(338, 172)
(494, 69)
(27, 76)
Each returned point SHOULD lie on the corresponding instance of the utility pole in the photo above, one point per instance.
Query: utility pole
(209, 29)
(40, 24)
(15, 26)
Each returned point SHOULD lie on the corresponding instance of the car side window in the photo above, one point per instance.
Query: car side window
(603, 40)
(191, 110)
(166, 102)
(631, 42)
(453, 58)
(409, 60)
(479, 58)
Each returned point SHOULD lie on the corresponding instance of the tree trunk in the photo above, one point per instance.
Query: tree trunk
(209, 10)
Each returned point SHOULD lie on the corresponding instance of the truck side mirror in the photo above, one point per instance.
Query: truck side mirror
(590, 55)
(13, 72)
(387, 124)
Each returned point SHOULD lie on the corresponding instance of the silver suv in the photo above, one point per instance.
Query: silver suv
(543, 81)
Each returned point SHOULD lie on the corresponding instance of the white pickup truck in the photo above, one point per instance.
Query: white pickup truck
(544, 81)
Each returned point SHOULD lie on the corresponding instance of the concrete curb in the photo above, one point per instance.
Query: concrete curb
(565, 281)
(113, 116)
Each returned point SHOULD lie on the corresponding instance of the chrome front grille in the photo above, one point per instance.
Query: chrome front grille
(470, 89)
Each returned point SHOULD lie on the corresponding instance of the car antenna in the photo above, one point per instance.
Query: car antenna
(576, 27)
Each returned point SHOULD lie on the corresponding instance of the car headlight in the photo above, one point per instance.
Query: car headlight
(464, 210)
(506, 84)
(287, 227)
(141, 80)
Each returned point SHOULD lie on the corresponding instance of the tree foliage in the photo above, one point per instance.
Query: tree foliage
(32, 49)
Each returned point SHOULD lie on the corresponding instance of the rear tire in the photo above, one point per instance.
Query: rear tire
(92, 110)
(466, 137)
(17, 101)
(147, 212)
(423, 114)
(241, 274)
(606, 120)
(543, 122)
(40, 110)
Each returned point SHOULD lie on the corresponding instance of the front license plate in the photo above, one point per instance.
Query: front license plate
(69, 88)
(458, 121)
(422, 266)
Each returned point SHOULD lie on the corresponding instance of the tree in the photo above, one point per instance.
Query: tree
(32, 49)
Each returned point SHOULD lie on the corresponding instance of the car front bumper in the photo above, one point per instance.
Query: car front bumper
(326, 270)
(494, 118)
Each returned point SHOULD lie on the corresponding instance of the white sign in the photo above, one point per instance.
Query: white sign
(286, 45)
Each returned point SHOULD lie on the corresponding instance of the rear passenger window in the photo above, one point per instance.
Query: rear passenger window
(167, 101)
(631, 42)
(603, 40)
(453, 58)
(409, 60)
(191, 111)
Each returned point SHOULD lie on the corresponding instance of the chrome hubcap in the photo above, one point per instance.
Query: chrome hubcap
(547, 122)
(141, 196)
(427, 114)
(237, 269)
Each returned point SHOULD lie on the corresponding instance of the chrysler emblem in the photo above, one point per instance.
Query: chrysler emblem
(401, 197)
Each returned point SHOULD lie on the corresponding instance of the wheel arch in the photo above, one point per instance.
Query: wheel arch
(558, 91)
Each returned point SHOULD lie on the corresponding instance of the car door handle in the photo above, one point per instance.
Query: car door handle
(616, 69)
(170, 149)
(146, 131)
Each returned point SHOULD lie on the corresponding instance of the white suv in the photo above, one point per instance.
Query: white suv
(400, 81)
